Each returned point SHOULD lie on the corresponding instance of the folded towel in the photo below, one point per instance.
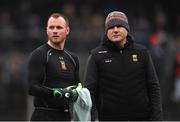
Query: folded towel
(82, 106)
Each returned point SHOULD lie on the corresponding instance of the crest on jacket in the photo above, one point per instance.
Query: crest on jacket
(135, 57)
(62, 63)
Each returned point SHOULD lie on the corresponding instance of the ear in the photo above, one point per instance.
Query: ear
(67, 30)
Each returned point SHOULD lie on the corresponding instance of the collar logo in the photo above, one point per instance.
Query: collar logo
(134, 57)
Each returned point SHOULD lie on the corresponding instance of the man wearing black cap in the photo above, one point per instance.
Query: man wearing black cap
(121, 77)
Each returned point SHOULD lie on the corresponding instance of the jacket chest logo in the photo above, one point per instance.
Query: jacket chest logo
(62, 63)
(108, 60)
(134, 57)
(102, 51)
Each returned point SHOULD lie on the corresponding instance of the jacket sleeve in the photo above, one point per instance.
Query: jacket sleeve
(36, 75)
(91, 81)
(154, 91)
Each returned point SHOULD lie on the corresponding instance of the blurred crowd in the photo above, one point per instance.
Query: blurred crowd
(154, 24)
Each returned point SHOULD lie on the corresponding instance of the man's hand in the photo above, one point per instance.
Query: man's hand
(68, 92)
(71, 93)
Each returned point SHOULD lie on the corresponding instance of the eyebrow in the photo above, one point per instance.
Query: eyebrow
(53, 26)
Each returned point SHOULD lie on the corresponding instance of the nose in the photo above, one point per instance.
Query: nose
(115, 28)
(55, 30)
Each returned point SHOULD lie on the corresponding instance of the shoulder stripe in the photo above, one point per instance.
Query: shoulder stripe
(48, 55)
(70, 57)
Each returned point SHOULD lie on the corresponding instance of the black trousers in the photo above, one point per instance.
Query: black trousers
(50, 115)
